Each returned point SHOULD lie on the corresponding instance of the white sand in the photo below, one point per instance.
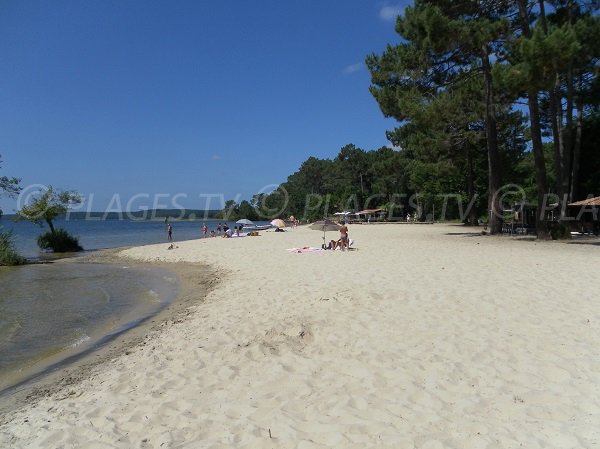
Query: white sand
(419, 339)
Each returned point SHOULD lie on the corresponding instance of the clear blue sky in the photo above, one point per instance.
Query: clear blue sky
(184, 97)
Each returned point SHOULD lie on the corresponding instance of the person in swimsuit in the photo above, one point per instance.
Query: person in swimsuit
(344, 236)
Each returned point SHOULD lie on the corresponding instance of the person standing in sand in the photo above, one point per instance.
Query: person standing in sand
(344, 236)
(204, 229)
(169, 232)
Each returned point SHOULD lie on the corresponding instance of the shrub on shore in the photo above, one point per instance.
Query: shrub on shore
(60, 241)
(560, 231)
(8, 254)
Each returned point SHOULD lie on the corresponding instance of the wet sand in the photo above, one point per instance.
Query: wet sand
(71, 366)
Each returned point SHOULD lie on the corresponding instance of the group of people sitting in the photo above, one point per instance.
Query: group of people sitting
(333, 245)
(342, 243)
(228, 232)
(293, 221)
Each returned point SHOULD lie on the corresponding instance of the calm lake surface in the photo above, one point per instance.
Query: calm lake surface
(50, 311)
(99, 234)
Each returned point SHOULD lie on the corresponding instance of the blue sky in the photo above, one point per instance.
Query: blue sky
(191, 98)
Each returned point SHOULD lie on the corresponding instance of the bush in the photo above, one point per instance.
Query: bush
(560, 231)
(60, 241)
(8, 254)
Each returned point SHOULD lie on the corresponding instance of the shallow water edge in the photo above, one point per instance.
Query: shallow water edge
(195, 281)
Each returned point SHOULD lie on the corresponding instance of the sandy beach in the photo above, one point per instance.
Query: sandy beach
(425, 336)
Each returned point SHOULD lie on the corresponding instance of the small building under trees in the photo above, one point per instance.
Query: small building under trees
(585, 215)
(369, 215)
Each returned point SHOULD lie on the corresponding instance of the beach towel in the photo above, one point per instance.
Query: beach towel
(305, 249)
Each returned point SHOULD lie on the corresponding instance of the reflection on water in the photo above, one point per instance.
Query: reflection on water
(47, 310)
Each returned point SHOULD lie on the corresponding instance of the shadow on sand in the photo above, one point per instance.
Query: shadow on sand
(465, 234)
(595, 242)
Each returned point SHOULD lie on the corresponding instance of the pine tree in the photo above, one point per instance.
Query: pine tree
(445, 44)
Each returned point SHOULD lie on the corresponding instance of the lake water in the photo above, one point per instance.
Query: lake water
(99, 234)
(50, 311)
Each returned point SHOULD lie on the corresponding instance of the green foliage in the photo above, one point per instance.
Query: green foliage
(553, 58)
(47, 206)
(246, 209)
(451, 53)
(456, 82)
(560, 231)
(60, 241)
(8, 186)
(438, 84)
(354, 180)
(8, 254)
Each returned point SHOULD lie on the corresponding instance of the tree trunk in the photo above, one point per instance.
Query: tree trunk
(50, 225)
(555, 119)
(541, 181)
(472, 220)
(576, 152)
(568, 137)
(495, 211)
(558, 135)
(536, 140)
(562, 134)
(543, 16)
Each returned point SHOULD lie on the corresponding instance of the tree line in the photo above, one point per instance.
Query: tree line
(487, 94)
(463, 69)
(495, 101)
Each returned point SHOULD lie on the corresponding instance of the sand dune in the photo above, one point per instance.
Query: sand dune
(425, 337)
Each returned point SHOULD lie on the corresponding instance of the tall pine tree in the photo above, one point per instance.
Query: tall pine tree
(444, 45)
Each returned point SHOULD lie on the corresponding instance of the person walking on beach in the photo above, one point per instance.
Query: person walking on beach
(169, 232)
(204, 229)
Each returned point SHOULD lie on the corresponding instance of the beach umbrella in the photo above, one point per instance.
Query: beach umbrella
(325, 225)
(278, 223)
(245, 222)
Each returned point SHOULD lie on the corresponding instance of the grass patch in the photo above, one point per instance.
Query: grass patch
(8, 253)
